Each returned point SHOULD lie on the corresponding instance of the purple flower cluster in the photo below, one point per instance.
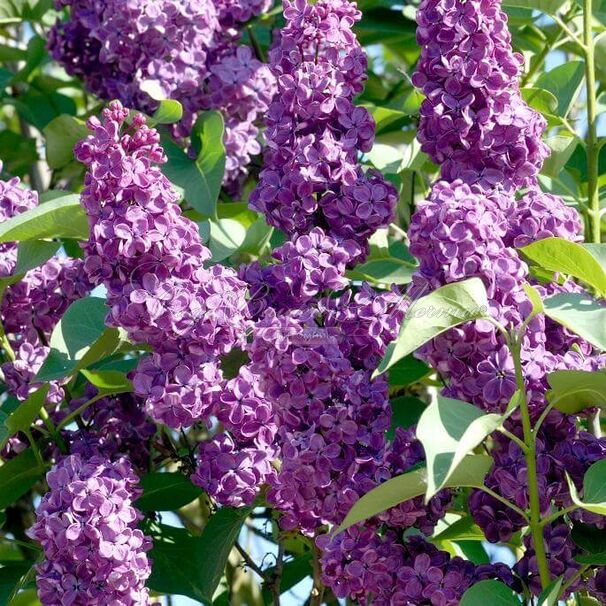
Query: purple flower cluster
(385, 571)
(474, 122)
(183, 50)
(14, 200)
(234, 465)
(311, 175)
(150, 259)
(31, 307)
(87, 525)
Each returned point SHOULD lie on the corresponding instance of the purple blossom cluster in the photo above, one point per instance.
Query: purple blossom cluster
(31, 307)
(474, 122)
(151, 260)
(186, 51)
(383, 570)
(87, 525)
(311, 176)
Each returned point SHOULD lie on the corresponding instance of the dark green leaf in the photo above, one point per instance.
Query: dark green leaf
(383, 271)
(574, 390)
(201, 178)
(26, 413)
(406, 371)
(474, 551)
(166, 491)
(17, 476)
(193, 566)
(562, 148)
(540, 99)
(10, 575)
(589, 537)
(413, 484)
(494, 593)
(60, 217)
(434, 314)
(18, 152)
(405, 412)
(384, 26)
(61, 134)
(449, 430)
(293, 572)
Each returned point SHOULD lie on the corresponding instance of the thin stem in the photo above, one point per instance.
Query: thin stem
(276, 577)
(536, 529)
(317, 591)
(54, 433)
(36, 450)
(572, 35)
(573, 578)
(4, 343)
(249, 561)
(513, 438)
(72, 415)
(558, 514)
(543, 416)
(505, 502)
(593, 198)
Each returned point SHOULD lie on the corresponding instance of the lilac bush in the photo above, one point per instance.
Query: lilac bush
(289, 293)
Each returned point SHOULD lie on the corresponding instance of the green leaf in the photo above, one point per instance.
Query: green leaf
(408, 370)
(61, 134)
(598, 251)
(434, 314)
(2, 518)
(473, 551)
(562, 148)
(405, 412)
(166, 491)
(550, 7)
(26, 413)
(13, 11)
(11, 574)
(18, 152)
(169, 111)
(384, 26)
(34, 253)
(413, 484)
(585, 600)
(574, 390)
(60, 217)
(570, 258)
(549, 596)
(594, 489)
(449, 430)
(589, 538)
(193, 566)
(226, 238)
(385, 116)
(565, 82)
(201, 178)
(397, 151)
(541, 100)
(17, 476)
(494, 593)
(79, 339)
(109, 382)
(464, 529)
(383, 271)
(580, 314)
(535, 299)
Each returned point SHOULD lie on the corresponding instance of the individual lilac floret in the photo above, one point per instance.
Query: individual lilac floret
(307, 266)
(150, 259)
(474, 122)
(311, 176)
(87, 526)
(14, 200)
